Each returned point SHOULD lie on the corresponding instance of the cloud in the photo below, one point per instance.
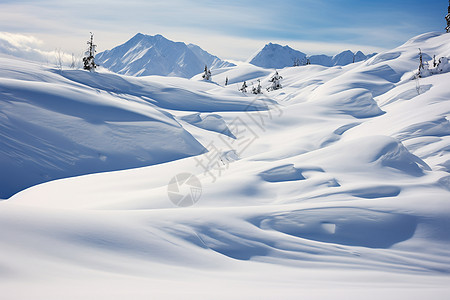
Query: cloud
(29, 47)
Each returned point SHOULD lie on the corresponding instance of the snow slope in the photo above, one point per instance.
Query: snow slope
(277, 57)
(145, 55)
(341, 190)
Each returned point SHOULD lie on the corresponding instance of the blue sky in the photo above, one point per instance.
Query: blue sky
(230, 29)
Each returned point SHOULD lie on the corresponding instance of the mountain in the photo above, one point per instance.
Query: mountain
(278, 57)
(322, 59)
(146, 55)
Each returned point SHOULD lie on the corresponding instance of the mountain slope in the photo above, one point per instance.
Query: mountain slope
(145, 55)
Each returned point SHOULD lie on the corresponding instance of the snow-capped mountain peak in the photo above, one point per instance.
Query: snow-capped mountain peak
(276, 56)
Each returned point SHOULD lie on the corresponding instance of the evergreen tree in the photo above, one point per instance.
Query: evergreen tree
(88, 60)
(207, 74)
(276, 85)
(244, 87)
(226, 81)
(258, 89)
(421, 67)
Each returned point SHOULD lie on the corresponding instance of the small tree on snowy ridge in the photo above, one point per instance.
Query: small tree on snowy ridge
(257, 90)
(244, 87)
(275, 79)
(207, 74)
(437, 67)
(88, 60)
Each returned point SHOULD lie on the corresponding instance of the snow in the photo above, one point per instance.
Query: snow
(145, 55)
(335, 186)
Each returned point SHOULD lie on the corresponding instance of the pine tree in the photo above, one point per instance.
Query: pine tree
(276, 85)
(226, 81)
(421, 67)
(207, 74)
(258, 89)
(88, 60)
(244, 87)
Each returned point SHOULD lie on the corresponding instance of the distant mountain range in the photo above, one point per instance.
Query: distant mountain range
(278, 57)
(146, 55)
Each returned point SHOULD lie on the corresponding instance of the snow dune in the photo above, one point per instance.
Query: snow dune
(336, 184)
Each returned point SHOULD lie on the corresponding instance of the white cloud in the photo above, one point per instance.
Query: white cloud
(29, 47)
(20, 40)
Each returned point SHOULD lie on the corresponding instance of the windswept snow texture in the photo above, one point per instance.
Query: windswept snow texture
(336, 186)
(278, 57)
(145, 55)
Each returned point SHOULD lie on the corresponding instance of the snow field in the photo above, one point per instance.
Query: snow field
(341, 188)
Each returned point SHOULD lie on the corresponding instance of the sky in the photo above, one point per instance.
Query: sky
(231, 29)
